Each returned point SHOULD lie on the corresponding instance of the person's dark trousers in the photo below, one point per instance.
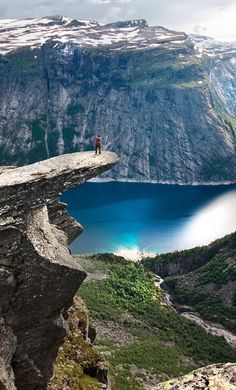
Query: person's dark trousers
(98, 149)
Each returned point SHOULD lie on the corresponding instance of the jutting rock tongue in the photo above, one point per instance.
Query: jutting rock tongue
(38, 277)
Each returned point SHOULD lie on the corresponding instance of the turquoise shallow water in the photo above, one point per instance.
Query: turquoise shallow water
(150, 217)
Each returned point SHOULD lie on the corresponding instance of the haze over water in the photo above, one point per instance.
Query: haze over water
(150, 217)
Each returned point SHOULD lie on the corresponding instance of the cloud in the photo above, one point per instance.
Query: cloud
(198, 29)
(100, 1)
(108, 1)
(112, 14)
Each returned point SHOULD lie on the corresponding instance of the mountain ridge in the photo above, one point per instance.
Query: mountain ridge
(34, 33)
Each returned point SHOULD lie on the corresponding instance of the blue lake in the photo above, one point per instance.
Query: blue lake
(150, 217)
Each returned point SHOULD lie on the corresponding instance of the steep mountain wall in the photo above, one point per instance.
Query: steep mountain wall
(38, 276)
(153, 99)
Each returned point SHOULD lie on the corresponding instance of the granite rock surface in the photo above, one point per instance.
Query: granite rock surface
(214, 377)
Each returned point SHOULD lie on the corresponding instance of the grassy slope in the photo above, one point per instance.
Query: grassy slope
(164, 344)
(210, 287)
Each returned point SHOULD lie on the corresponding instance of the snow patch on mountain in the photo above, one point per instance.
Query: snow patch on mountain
(122, 35)
(208, 46)
(133, 34)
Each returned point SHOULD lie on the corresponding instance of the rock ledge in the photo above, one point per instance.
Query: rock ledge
(214, 377)
(38, 277)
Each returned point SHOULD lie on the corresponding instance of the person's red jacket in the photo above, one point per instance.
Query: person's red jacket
(98, 141)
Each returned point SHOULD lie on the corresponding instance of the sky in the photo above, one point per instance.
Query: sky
(215, 18)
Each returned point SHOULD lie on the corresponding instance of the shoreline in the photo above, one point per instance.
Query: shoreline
(167, 182)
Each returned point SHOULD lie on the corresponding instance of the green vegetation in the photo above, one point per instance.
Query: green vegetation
(74, 109)
(181, 259)
(37, 127)
(26, 64)
(44, 138)
(228, 120)
(110, 297)
(203, 278)
(78, 365)
(53, 137)
(190, 258)
(166, 71)
(68, 372)
(163, 84)
(217, 271)
(68, 134)
(187, 84)
(162, 344)
(207, 304)
(161, 69)
(217, 169)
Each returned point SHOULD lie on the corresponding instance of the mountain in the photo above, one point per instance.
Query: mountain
(162, 100)
(202, 281)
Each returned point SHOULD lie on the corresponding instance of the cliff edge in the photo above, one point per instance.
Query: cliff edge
(38, 276)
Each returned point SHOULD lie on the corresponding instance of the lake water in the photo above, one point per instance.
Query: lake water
(150, 217)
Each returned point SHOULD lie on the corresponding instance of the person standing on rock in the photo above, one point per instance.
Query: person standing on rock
(98, 144)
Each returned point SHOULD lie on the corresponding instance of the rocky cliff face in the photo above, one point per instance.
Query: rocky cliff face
(38, 277)
(164, 101)
(183, 262)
